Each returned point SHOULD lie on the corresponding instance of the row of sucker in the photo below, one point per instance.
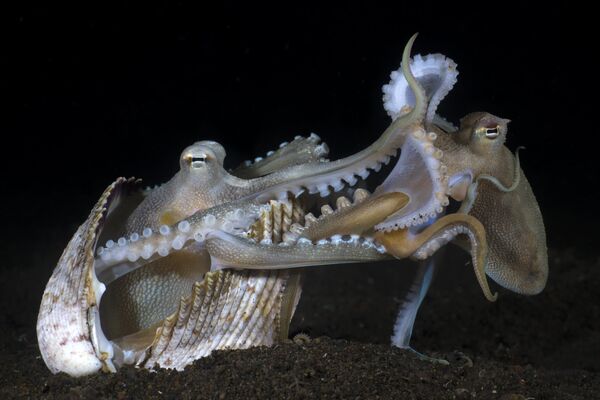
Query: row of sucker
(419, 172)
(428, 193)
(436, 73)
(147, 244)
(335, 175)
(228, 309)
(277, 231)
(119, 257)
(304, 149)
(230, 251)
(294, 249)
(325, 184)
(355, 218)
(478, 250)
(285, 223)
(438, 241)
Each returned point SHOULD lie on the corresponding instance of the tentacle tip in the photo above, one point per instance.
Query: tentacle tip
(408, 47)
(491, 297)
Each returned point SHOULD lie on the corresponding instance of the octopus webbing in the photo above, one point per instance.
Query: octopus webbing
(212, 259)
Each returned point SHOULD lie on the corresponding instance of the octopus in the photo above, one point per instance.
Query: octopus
(213, 259)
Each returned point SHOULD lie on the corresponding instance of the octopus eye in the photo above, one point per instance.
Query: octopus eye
(195, 161)
(490, 133)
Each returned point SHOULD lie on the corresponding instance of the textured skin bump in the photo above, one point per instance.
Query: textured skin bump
(517, 256)
(149, 294)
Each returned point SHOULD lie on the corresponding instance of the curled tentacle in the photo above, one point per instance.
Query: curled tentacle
(404, 243)
(435, 73)
(419, 172)
(467, 204)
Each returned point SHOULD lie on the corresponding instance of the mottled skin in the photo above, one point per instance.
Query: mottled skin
(495, 191)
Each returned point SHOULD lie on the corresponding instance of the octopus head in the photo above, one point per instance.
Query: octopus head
(483, 132)
(202, 161)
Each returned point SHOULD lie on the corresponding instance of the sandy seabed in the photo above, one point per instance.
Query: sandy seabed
(541, 347)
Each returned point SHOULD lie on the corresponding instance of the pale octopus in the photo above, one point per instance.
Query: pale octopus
(191, 234)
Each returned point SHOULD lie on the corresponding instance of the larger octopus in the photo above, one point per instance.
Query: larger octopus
(207, 260)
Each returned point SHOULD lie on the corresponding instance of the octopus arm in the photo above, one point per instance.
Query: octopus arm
(436, 73)
(321, 176)
(230, 251)
(421, 176)
(301, 150)
(419, 172)
(404, 243)
(356, 219)
(124, 255)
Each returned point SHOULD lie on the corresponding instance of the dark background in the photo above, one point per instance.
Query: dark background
(92, 94)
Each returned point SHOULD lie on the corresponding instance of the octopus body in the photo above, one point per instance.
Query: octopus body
(210, 259)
